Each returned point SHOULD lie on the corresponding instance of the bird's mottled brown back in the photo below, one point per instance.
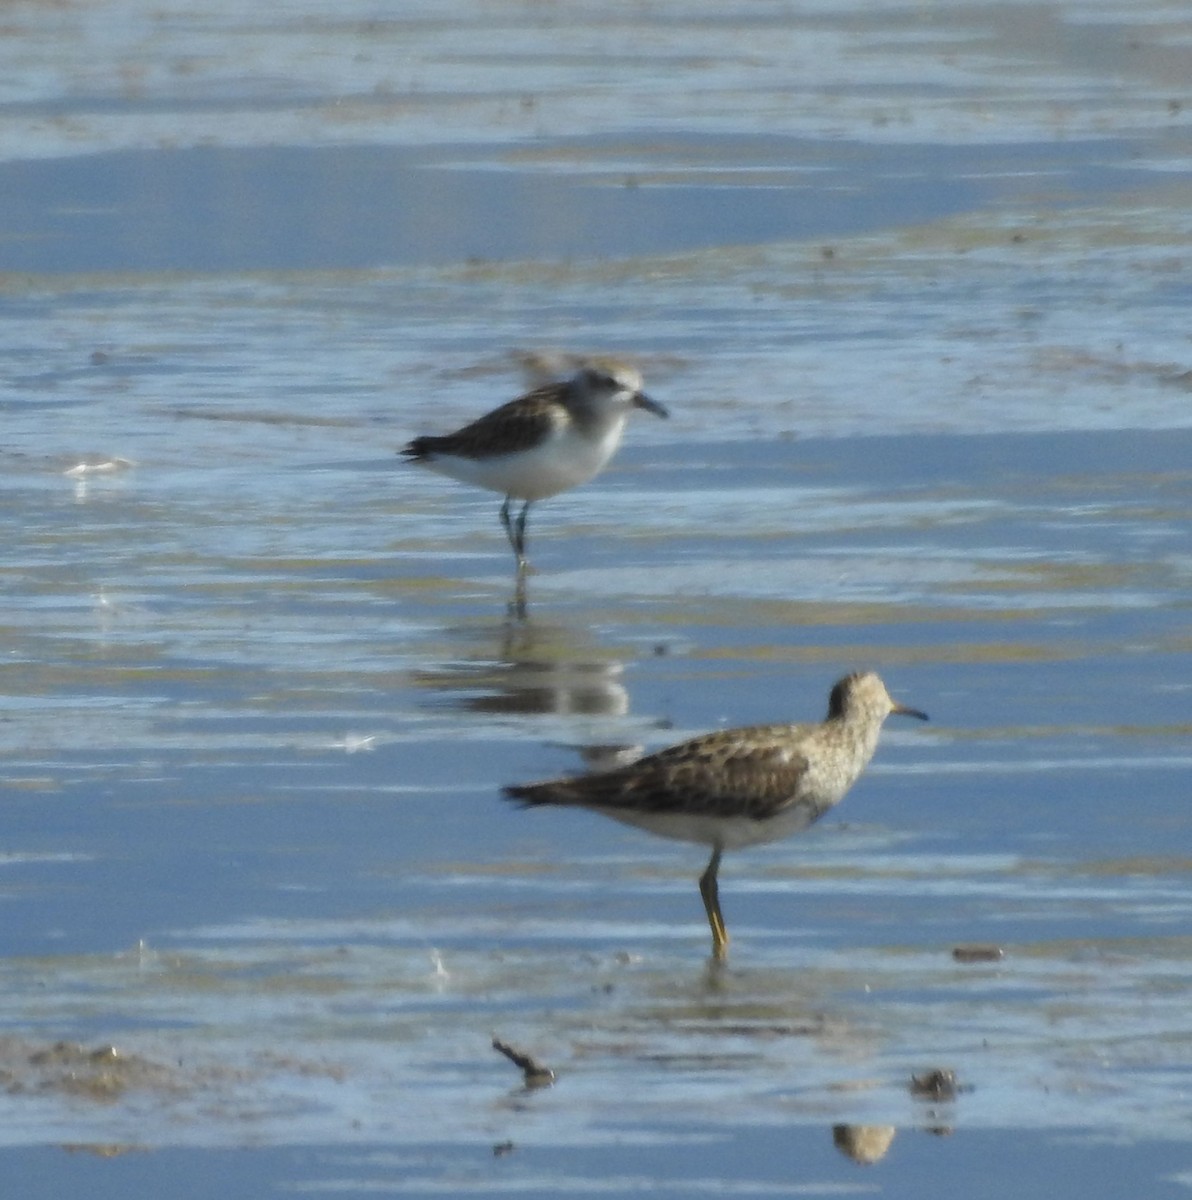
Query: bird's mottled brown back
(750, 773)
(514, 426)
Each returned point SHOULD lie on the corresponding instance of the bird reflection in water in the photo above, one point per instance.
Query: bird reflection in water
(864, 1144)
(528, 668)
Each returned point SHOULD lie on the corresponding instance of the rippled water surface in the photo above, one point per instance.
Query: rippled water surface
(913, 282)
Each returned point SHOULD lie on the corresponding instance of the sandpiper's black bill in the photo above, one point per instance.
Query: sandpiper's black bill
(903, 711)
(641, 400)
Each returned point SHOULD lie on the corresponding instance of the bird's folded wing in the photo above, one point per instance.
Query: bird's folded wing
(755, 781)
(713, 776)
(522, 422)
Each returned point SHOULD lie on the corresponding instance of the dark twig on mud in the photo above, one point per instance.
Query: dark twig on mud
(534, 1073)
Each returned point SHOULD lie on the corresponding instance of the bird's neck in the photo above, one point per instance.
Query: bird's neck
(596, 419)
(861, 728)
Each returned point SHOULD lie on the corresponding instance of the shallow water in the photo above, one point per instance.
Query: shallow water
(920, 318)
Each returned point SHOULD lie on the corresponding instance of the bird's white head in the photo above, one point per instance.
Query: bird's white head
(863, 694)
(615, 385)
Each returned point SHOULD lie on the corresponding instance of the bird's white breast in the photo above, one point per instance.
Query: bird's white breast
(563, 459)
(730, 833)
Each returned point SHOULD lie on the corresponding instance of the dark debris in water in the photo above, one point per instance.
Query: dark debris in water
(936, 1084)
(978, 953)
(535, 1074)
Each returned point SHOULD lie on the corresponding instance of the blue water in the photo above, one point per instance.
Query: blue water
(923, 337)
(298, 208)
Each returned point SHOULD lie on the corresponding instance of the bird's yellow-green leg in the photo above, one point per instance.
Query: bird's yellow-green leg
(710, 892)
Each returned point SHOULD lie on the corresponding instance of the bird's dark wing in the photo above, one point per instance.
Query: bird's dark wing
(514, 426)
(745, 772)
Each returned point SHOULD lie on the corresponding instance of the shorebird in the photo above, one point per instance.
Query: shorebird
(737, 787)
(552, 438)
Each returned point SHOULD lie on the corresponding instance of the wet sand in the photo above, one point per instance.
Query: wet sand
(926, 353)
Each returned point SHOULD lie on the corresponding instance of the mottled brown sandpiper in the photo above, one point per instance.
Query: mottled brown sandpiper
(738, 787)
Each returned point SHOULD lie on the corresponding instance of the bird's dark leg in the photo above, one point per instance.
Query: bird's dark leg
(515, 532)
(709, 890)
(506, 523)
(520, 545)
